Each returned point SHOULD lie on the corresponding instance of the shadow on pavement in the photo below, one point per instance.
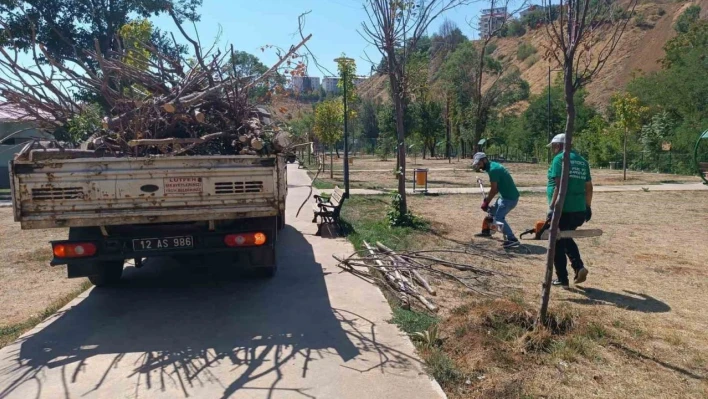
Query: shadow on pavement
(181, 324)
(633, 301)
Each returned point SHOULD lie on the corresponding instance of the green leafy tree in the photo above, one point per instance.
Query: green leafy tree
(135, 35)
(464, 71)
(536, 116)
(628, 113)
(329, 119)
(687, 18)
(66, 28)
(85, 123)
(680, 89)
(677, 48)
(430, 125)
(369, 121)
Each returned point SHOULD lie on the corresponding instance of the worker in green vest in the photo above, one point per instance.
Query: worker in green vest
(576, 209)
(503, 184)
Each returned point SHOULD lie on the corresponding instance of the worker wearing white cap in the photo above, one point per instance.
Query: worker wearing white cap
(576, 209)
(502, 183)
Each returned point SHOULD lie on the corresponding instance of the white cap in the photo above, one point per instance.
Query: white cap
(557, 139)
(477, 158)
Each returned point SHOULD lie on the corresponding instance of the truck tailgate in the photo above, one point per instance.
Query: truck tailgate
(111, 191)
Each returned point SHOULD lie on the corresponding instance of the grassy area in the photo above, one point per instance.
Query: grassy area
(626, 332)
(365, 219)
(10, 333)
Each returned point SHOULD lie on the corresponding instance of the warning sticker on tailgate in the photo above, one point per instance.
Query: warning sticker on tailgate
(183, 185)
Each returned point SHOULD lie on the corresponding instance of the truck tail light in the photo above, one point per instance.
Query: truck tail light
(74, 250)
(245, 239)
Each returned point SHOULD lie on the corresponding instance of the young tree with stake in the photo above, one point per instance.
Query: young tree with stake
(580, 40)
(394, 27)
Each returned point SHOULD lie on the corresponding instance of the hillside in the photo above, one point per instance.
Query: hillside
(638, 52)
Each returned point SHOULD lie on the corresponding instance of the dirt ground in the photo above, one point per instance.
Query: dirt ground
(371, 172)
(28, 285)
(647, 288)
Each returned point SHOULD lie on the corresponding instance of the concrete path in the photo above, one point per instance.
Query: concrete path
(542, 189)
(170, 331)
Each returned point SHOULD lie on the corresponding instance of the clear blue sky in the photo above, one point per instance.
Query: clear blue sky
(250, 24)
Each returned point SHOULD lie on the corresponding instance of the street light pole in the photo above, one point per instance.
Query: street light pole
(345, 77)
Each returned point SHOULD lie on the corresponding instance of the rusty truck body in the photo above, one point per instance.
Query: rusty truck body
(135, 208)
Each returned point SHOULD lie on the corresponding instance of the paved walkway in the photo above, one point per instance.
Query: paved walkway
(171, 332)
(542, 189)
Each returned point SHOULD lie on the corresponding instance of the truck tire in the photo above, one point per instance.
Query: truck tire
(106, 272)
(109, 273)
(263, 262)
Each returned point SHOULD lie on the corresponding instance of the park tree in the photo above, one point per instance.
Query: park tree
(628, 113)
(329, 119)
(687, 18)
(369, 120)
(506, 82)
(394, 28)
(66, 28)
(465, 72)
(580, 41)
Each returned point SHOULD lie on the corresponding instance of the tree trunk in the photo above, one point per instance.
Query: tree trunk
(336, 149)
(331, 163)
(400, 128)
(624, 156)
(447, 130)
(562, 188)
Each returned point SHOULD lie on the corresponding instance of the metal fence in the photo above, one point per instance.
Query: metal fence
(660, 162)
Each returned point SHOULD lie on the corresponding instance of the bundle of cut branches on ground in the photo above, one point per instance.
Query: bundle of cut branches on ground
(404, 272)
(151, 102)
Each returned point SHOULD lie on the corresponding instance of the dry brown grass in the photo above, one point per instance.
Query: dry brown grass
(29, 284)
(370, 172)
(639, 321)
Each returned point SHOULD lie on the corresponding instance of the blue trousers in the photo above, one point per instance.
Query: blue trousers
(500, 210)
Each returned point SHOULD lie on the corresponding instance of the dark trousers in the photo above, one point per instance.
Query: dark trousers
(567, 247)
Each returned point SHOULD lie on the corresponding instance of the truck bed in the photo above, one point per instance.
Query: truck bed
(119, 191)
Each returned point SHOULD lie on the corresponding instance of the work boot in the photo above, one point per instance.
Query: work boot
(580, 276)
(511, 243)
(484, 234)
(562, 284)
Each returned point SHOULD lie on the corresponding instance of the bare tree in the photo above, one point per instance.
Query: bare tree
(581, 41)
(394, 28)
(499, 15)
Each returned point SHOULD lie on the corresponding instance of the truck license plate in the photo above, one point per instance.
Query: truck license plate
(158, 244)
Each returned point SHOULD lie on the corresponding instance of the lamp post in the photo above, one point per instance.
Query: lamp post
(343, 61)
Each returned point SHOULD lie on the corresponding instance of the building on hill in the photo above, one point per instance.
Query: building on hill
(529, 9)
(330, 83)
(491, 20)
(306, 84)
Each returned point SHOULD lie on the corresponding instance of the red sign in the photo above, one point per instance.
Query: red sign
(183, 185)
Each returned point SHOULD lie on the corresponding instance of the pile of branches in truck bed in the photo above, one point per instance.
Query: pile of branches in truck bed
(405, 273)
(151, 102)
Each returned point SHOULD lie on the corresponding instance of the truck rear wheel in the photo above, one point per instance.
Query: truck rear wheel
(263, 262)
(109, 273)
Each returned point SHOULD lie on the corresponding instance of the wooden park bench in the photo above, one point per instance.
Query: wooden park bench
(328, 209)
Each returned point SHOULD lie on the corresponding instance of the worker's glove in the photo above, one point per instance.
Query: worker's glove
(485, 205)
(588, 213)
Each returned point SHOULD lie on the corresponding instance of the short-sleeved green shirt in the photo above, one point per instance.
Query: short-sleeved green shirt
(505, 183)
(579, 175)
